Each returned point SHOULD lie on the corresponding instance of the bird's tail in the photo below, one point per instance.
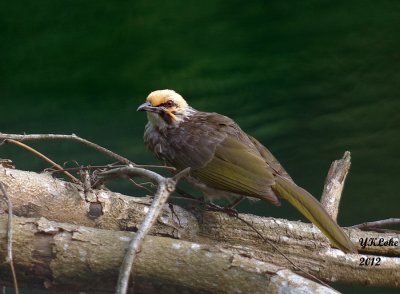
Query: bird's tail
(312, 209)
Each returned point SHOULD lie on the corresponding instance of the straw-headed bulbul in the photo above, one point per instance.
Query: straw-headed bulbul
(224, 159)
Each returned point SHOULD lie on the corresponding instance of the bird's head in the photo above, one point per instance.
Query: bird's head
(165, 107)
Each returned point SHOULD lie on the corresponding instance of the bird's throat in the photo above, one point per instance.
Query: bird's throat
(159, 120)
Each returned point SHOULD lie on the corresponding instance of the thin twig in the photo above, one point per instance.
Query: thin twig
(87, 187)
(165, 187)
(10, 259)
(232, 212)
(113, 165)
(140, 186)
(88, 167)
(126, 270)
(334, 184)
(379, 223)
(188, 199)
(72, 137)
(380, 230)
(171, 168)
(42, 156)
(128, 171)
(281, 253)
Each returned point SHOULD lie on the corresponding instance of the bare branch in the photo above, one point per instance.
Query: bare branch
(377, 224)
(72, 137)
(9, 258)
(73, 257)
(42, 156)
(297, 241)
(130, 171)
(334, 183)
(134, 247)
(165, 188)
(283, 254)
(38, 195)
(166, 167)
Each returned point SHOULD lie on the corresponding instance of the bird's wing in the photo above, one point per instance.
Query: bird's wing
(235, 166)
(270, 159)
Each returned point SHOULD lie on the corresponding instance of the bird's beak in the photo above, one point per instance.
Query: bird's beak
(148, 107)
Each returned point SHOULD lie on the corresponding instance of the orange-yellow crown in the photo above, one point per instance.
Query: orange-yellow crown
(160, 97)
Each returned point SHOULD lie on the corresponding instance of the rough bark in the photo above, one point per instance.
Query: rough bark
(307, 248)
(65, 256)
(39, 195)
(334, 184)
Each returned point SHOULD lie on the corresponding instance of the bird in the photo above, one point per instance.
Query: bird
(224, 160)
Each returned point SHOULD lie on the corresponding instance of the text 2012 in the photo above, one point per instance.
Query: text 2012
(370, 261)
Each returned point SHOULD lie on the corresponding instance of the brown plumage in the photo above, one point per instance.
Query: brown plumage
(224, 159)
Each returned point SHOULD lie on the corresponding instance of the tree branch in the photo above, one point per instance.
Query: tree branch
(378, 223)
(41, 195)
(42, 156)
(63, 256)
(9, 236)
(72, 137)
(165, 188)
(334, 184)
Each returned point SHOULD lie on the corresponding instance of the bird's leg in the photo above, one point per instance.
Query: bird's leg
(235, 202)
(228, 209)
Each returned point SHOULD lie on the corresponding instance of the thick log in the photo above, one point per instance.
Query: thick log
(40, 195)
(69, 257)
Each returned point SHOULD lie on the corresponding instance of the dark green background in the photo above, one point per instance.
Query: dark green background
(309, 79)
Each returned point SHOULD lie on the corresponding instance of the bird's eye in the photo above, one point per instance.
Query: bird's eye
(169, 103)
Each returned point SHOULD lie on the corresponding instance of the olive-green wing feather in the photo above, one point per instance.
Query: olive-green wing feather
(270, 159)
(312, 209)
(238, 169)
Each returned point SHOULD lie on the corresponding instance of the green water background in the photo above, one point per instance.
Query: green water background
(309, 79)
